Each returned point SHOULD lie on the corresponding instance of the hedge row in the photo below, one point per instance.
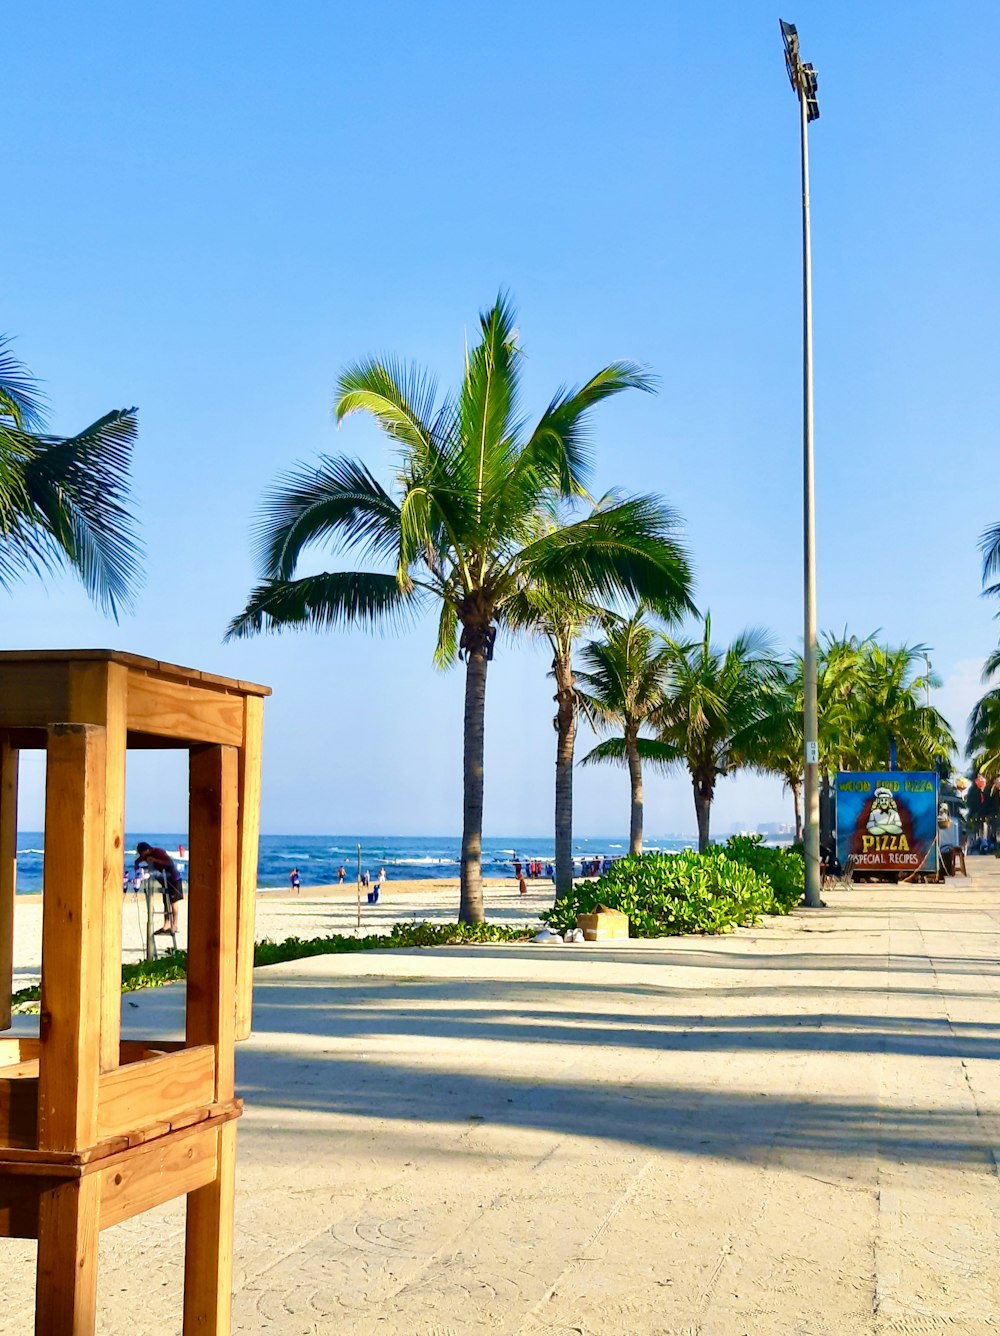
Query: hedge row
(732, 885)
(173, 966)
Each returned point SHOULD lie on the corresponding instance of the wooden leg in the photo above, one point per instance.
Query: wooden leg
(70, 1020)
(249, 840)
(211, 962)
(98, 695)
(8, 874)
(208, 1249)
(66, 1290)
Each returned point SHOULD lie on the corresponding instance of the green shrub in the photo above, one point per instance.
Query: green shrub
(401, 934)
(785, 869)
(688, 892)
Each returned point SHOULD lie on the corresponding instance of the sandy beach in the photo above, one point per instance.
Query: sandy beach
(317, 911)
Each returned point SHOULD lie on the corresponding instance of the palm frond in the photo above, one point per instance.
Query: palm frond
(989, 546)
(557, 455)
(661, 756)
(326, 601)
(446, 649)
(337, 502)
(400, 398)
(488, 402)
(21, 402)
(628, 551)
(611, 750)
(69, 505)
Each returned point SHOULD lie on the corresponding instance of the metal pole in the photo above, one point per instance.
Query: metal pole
(811, 709)
(150, 941)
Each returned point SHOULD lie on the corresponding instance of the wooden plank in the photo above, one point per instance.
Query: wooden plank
(8, 874)
(208, 1246)
(248, 840)
(211, 963)
(97, 695)
(155, 1090)
(32, 694)
(157, 1172)
(137, 662)
(19, 1104)
(66, 1278)
(71, 936)
(19, 1206)
(18, 1050)
(176, 710)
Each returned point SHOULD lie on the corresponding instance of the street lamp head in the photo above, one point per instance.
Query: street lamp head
(802, 77)
(790, 34)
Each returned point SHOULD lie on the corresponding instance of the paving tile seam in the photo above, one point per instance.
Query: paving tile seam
(988, 1120)
(744, 1241)
(886, 1276)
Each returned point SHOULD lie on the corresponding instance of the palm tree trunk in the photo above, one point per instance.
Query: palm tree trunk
(565, 742)
(796, 789)
(703, 811)
(635, 779)
(471, 906)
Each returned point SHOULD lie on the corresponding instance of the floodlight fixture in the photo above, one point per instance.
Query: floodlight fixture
(802, 77)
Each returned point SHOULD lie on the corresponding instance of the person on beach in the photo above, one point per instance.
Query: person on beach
(381, 876)
(295, 879)
(521, 885)
(365, 879)
(517, 868)
(341, 875)
(159, 862)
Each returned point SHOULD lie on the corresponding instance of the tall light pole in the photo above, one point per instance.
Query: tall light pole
(804, 83)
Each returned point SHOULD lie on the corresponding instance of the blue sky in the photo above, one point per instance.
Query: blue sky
(212, 208)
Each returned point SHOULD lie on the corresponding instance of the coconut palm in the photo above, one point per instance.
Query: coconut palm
(461, 530)
(561, 623)
(890, 711)
(714, 709)
(62, 499)
(983, 748)
(621, 687)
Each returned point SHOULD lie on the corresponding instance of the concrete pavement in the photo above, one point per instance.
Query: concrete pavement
(793, 1129)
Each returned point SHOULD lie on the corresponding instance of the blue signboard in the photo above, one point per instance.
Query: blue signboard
(887, 820)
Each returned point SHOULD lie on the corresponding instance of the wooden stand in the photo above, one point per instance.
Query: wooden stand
(94, 1130)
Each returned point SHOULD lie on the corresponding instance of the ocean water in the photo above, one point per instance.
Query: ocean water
(318, 857)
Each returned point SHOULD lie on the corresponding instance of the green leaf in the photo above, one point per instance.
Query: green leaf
(339, 598)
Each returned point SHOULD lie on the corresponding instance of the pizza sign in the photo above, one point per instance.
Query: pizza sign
(887, 820)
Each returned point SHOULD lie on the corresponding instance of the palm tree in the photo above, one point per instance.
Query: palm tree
(983, 748)
(622, 688)
(62, 499)
(714, 706)
(561, 623)
(891, 712)
(462, 529)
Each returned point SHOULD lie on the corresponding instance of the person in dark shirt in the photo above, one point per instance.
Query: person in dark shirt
(159, 862)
